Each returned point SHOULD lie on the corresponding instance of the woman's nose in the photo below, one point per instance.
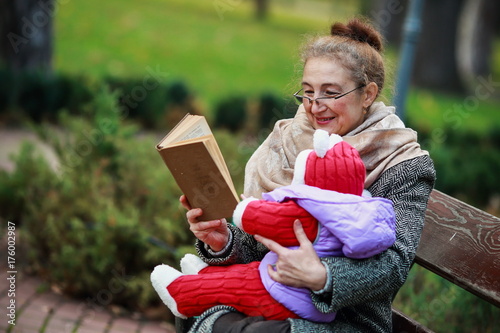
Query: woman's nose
(317, 106)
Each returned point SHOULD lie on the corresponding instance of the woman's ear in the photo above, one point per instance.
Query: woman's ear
(371, 93)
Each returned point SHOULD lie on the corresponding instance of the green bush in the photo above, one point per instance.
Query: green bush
(272, 108)
(443, 306)
(231, 113)
(466, 163)
(252, 114)
(153, 104)
(97, 225)
(40, 96)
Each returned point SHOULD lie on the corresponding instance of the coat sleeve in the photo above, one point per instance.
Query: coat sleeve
(358, 285)
(242, 249)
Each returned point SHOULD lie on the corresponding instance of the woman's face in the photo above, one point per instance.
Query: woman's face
(325, 77)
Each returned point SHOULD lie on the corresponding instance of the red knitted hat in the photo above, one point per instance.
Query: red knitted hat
(332, 165)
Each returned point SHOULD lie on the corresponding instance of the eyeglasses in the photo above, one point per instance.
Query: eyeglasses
(300, 98)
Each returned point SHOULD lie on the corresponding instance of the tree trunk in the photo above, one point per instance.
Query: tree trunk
(388, 16)
(476, 31)
(261, 9)
(435, 62)
(26, 34)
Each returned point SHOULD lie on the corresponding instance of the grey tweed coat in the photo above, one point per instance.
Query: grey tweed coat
(362, 290)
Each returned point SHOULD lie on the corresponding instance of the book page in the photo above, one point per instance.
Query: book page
(215, 152)
(188, 141)
(188, 128)
(199, 129)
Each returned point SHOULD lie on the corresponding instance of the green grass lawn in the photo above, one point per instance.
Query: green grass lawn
(219, 49)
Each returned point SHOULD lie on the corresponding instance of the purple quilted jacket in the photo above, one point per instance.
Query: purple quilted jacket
(351, 226)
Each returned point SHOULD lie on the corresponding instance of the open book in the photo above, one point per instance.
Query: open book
(193, 157)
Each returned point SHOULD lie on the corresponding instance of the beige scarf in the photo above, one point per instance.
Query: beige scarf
(382, 141)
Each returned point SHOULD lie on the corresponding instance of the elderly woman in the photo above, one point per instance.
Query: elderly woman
(342, 77)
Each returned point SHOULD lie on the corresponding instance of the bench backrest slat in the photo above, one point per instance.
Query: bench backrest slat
(462, 244)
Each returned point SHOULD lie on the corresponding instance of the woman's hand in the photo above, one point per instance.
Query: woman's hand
(213, 233)
(296, 268)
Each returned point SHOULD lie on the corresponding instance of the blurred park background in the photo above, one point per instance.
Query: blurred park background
(98, 83)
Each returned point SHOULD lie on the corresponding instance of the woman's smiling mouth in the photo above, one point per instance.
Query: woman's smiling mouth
(324, 120)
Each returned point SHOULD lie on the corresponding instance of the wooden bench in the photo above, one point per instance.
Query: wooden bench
(459, 243)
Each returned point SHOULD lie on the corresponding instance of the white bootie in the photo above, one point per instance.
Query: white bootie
(191, 264)
(161, 277)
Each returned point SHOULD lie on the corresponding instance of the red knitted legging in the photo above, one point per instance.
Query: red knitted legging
(238, 286)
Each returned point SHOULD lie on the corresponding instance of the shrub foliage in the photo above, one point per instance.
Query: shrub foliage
(98, 224)
(465, 163)
(40, 96)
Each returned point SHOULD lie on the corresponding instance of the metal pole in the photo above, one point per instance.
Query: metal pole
(411, 30)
